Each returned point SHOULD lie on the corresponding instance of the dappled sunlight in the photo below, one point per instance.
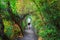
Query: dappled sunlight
(29, 20)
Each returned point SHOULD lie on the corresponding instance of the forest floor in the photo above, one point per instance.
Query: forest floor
(29, 34)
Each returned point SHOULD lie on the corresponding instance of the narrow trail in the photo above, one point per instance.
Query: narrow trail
(29, 35)
(29, 32)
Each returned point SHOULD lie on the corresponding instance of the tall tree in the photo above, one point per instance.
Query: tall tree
(13, 17)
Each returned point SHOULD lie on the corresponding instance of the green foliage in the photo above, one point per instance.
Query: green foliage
(13, 5)
(46, 20)
(3, 4)
(0, 38)
(8, 28)
(50, 12)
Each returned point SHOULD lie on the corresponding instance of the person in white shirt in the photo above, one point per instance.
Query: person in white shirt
(29, 25)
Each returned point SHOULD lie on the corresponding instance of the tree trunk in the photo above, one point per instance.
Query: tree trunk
(13, 17)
